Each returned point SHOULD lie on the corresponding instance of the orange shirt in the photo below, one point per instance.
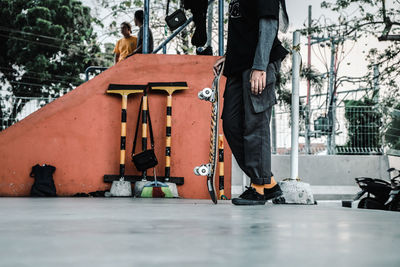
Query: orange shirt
(125, 46)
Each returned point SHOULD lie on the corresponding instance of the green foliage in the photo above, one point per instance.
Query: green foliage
(45, 45)
(284, 93)
(46, 42)
(392, 134)
(365, 122)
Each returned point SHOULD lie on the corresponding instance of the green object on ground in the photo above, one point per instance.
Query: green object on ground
(147, 192)
(156, 190)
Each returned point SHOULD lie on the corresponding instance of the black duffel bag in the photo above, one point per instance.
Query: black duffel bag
(43, 186)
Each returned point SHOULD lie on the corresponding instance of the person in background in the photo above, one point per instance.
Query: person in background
(125, 45)
(139, 22)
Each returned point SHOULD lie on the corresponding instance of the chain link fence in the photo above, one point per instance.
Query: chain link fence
(358, 130)
(13, 109)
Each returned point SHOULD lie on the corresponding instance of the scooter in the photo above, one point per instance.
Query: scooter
(377, 191)
(381, 195)
(393, 203)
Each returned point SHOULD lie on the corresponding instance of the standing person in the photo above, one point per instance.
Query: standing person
(139, 22)
(252, 61)
(125, 45)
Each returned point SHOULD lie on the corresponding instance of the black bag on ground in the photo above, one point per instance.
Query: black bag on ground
(176, 19)
(146, 159)
(43, 186)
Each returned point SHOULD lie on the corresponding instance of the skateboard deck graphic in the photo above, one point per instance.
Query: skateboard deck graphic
(209, 169)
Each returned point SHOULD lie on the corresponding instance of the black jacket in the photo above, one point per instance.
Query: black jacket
(244, 16)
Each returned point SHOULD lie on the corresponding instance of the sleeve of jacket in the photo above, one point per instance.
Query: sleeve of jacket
(268, 29)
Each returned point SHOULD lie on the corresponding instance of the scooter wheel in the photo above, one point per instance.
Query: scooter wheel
(370, 203)
(395, 204)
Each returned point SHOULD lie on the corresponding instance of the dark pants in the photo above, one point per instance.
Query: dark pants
(246, 122)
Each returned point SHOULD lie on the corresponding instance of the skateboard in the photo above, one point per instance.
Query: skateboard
(209, 169)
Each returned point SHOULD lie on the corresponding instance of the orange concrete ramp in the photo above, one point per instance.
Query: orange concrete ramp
(79, 133)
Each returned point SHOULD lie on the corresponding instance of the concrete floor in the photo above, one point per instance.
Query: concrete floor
(144, 232)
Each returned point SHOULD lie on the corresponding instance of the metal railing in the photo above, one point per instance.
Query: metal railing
(14, 109)
(358, 130)
(163, 45)
(93, 69)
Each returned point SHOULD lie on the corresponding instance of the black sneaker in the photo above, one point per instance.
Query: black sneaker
(249, 197)
(273, 192)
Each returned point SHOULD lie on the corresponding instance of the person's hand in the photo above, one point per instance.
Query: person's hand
(218, 66)
(258, 80)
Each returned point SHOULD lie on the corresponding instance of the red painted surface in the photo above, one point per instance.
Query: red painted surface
(79, 133)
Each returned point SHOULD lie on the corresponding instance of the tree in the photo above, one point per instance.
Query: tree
(365, 122)
(375, 18)
(44, 47)
(392, 131)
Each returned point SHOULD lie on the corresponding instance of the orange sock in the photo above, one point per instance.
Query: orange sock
(259, 188)
(272, 184)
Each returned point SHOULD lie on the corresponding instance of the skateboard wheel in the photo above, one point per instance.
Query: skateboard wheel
(203, 170)
(196, 171)
(206, 93)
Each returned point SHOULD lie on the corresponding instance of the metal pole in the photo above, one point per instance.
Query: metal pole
(376, 100)
(308, 109)
(221, 27)
(294, 156)
(176, 32)
(331, 102)
(273, 131)
(173, 35)
(92, 68)
(376, 84)
(210, 17)
(146, 27)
